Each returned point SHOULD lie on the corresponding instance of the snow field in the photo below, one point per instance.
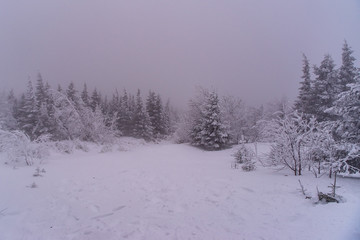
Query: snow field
(168, 191)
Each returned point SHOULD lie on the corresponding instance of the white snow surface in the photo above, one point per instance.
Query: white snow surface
(168, 191)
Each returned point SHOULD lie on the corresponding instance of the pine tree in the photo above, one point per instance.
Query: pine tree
(325, 88)
(85, 96)
(142, 124)
(124, 119)
(7, 104)
(59, 88)
(348, 73)
(27, 116)
(305, 100)
(95, 100)
(347, 127)
(40, 93)
(71, 93)
(209, 131)
(13, 107)
(44, 108)
(114, 104)
(155, 110)
(167, 125)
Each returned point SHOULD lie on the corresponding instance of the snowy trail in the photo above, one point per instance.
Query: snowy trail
(167, 191)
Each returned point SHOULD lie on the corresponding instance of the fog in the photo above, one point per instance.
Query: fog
(250, 49)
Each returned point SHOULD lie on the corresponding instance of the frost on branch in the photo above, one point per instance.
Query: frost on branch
(19, 148)
(292, 135)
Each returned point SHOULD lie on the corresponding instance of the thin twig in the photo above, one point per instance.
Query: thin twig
(1, 212)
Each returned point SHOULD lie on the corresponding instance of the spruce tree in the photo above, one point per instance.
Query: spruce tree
(142, 126)
(348, 73)
(326, 87)
(59, 88)
(124, 119)
(43, 107)
(27, 117)
(95, 100)
(305, 100)
(40, 93)
(155, 110)
(346, 128)
(7, 120)
(209, 132)
(85, 96)
(71, 93)
(167, 119)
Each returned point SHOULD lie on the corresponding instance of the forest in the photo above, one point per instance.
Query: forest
(319, 132)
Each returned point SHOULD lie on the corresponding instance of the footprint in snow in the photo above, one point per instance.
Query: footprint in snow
(118, 208)
(247, 189)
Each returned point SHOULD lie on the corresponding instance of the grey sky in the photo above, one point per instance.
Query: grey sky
(251, 49)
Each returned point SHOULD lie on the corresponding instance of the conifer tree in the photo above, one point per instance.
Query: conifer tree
(40, 93)
(348, 73)
(114, 105)
(44, 108)
(27, 117)
(59, 88)
(346, 128)
(124, 120)
(95, 100)
(142, 125)
(71, 93)
(305, 101)
(326, 87)
(7, 103)
(167, 126)
(209, 131)
(85, 96)
(155, 110)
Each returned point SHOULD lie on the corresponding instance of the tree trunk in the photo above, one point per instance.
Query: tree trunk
(334, 187)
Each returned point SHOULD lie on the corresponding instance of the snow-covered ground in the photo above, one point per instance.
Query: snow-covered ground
(168, 191)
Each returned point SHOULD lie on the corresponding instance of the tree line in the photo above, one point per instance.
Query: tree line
(70, 114)
(319, 132)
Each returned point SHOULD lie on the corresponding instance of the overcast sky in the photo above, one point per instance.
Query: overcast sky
(251, 49)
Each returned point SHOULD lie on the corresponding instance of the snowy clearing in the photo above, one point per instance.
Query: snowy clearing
(168, 191)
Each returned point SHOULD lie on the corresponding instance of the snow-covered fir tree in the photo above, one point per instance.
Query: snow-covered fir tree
(71, 93)
(348, 73)
(167, 124)
(155, 110)
(95, 99)
(209, 131)
(44, 108)
(305, 101)
(85, 96)
(7, 105)
(124, 118)
(27, 113)
(326, 87)
(346, 128)
(142, 125)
